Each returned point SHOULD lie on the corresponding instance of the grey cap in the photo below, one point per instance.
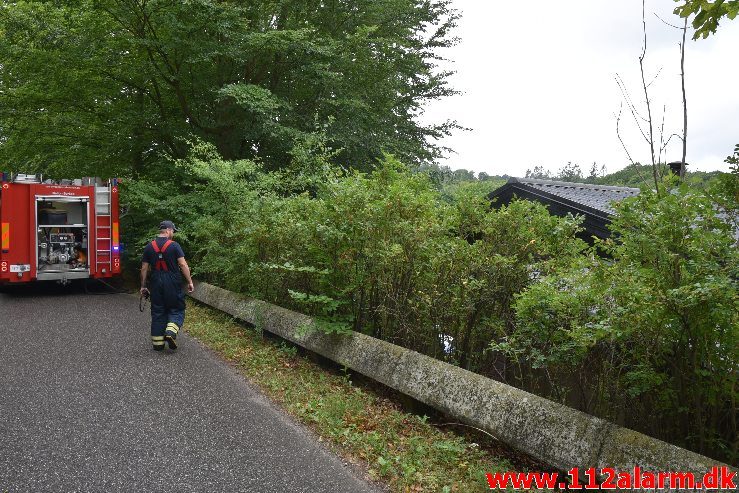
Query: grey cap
(167, 225)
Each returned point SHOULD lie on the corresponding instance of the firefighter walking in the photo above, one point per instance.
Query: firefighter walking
(166, 261)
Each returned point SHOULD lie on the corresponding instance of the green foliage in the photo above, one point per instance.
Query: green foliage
(104, 87)
(724, 192)
(651, 331)
(462, 191)
(454, 184)
(570, 172)
(707, 14)
(734, 159)
(634, 175)
(645, 336)
(539, 173)
(637, 176)
(192, 191)
(385, 253)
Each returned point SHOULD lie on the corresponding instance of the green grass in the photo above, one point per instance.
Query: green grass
(403, 450)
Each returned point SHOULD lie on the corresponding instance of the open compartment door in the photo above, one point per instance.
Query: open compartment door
(62, 227)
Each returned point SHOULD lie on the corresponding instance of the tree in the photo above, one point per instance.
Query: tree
(707, 17)
(596, 172)
(646, 119)
(707, 14)
(105, 85)
(539, 172)
(734, 159)
(570, 172)
(439, 175)
(463, 175)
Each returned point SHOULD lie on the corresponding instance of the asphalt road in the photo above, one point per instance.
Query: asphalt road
(87, 406)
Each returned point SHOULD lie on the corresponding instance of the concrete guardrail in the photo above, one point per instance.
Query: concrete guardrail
(555, 434)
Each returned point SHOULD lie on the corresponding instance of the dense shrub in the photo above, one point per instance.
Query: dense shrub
(651, 332)
(385, 253)
(641, 329)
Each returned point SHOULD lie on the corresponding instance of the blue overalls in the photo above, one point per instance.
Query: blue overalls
(167, 300)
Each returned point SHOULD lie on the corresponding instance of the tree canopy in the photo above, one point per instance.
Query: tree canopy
(707, 14)
(100, 86)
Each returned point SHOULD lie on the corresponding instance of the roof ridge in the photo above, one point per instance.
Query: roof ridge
(569, 184)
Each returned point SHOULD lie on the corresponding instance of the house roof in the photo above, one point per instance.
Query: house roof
(598, 197)
(595, 202)
(592, 201)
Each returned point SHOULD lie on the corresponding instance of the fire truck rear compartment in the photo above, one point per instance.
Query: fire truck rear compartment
(62, 237)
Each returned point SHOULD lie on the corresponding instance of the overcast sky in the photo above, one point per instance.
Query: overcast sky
(538, 85)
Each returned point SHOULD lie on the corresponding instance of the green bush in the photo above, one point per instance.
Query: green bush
(384, 253)
(646, 336)
(652, 331)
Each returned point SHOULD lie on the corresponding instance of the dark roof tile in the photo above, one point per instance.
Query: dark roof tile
(599, 197)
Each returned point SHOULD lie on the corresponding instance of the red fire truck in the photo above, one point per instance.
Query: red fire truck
(58, 230)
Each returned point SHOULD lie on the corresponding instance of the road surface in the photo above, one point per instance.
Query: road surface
(87, 406)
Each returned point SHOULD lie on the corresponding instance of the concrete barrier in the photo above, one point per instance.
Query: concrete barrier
(558, 435)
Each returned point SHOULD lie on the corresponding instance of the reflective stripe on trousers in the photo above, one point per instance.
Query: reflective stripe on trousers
(167, 303)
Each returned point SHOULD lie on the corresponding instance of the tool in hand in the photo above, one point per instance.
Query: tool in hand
(143, 299)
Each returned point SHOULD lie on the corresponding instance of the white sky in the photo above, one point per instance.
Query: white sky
(538, 85)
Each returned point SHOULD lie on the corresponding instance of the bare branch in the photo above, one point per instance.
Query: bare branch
(631, 106)
(626, 150)
(618, 133)
(656, 76)
(662, 144)
(627, 96)
(670, 138)
(646, 96)
(665, 22)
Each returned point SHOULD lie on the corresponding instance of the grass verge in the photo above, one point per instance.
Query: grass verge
(402, 450)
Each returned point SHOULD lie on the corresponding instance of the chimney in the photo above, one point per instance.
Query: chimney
(675, 167)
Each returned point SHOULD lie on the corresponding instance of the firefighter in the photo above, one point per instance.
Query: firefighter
(165, 258)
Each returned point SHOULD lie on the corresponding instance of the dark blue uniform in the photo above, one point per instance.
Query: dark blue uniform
(165, 286)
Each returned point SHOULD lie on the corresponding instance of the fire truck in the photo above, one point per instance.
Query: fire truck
(58, 230)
